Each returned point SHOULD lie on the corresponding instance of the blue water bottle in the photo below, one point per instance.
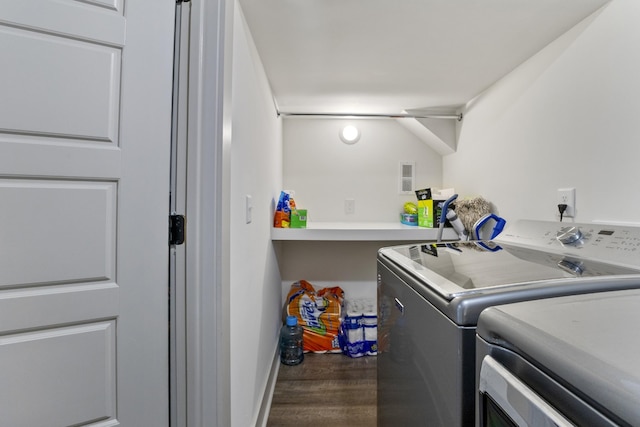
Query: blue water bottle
(291, 350)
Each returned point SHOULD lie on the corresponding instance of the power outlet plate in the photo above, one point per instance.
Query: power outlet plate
(567, 196)
(349, 206)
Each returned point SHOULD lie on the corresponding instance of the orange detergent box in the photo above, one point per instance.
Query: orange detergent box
(319, 314)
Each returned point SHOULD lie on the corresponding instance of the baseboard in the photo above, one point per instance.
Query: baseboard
(265, 407)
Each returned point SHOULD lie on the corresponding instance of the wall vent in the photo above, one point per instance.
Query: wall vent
(407, 177)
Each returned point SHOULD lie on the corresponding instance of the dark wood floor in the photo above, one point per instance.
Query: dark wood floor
(325, 390)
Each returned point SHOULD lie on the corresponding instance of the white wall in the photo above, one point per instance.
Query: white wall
(568, 117)
(323, 171)
(256, 170)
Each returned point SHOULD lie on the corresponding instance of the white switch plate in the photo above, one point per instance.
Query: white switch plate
(249, 208)
(349, 206)
(567, 196)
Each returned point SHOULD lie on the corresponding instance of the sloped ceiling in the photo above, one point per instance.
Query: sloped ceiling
(400, 56)
(391, 56)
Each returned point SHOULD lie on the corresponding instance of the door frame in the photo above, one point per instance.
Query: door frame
(207, 244)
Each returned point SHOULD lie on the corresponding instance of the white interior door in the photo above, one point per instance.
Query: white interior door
(85, 106)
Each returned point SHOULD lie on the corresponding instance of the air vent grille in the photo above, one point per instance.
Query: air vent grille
(407, 172)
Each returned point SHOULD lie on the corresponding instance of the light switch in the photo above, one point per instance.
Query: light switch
(249, 208)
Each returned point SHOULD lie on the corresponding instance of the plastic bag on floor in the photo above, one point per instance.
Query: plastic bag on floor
(319, 315)
(359, 332)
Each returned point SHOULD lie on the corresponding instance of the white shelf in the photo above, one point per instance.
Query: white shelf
(361, 231)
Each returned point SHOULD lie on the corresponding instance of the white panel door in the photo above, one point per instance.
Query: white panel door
(85, 110)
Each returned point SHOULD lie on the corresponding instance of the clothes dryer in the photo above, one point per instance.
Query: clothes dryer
(567, 361)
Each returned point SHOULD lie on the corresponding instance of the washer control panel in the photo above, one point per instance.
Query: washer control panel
(615, 244)
(569, 235)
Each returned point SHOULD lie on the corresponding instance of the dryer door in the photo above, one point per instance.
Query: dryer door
(505, 401)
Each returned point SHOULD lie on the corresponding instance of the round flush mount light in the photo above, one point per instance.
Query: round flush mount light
(350, 134)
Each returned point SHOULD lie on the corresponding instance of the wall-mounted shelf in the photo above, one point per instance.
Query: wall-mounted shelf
(361, 231)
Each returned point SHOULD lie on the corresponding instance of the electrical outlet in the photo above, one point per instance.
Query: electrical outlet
(567, 196)
(349, 206)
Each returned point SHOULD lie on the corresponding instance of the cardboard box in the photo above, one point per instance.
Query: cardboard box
(437, 213)
(425, 208)
(299, 218)
(425, 213)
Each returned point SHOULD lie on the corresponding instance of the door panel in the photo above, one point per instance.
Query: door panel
(48, 156)
(38, 307)
(52, 373)
(71, 232)
(72, 86)
(101, 21)
(84, 176)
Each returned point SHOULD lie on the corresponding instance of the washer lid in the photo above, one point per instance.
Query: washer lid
(454, 269)
(589, 343)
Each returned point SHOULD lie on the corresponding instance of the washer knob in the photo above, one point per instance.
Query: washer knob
(569, 235)
(573, 267)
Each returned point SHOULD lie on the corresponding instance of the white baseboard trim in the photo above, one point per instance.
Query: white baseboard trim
(265, 408)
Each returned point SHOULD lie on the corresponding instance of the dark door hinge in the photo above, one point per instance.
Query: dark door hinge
(176, 229)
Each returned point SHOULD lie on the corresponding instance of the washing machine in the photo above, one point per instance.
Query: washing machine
(567, 361)
(430, 297)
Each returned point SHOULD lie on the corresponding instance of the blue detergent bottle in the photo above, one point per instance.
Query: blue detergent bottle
(291, 349)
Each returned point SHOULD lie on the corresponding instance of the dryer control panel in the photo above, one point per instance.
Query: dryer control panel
(615, 244)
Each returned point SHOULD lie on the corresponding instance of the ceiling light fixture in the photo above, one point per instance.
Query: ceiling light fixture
(350, 134)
